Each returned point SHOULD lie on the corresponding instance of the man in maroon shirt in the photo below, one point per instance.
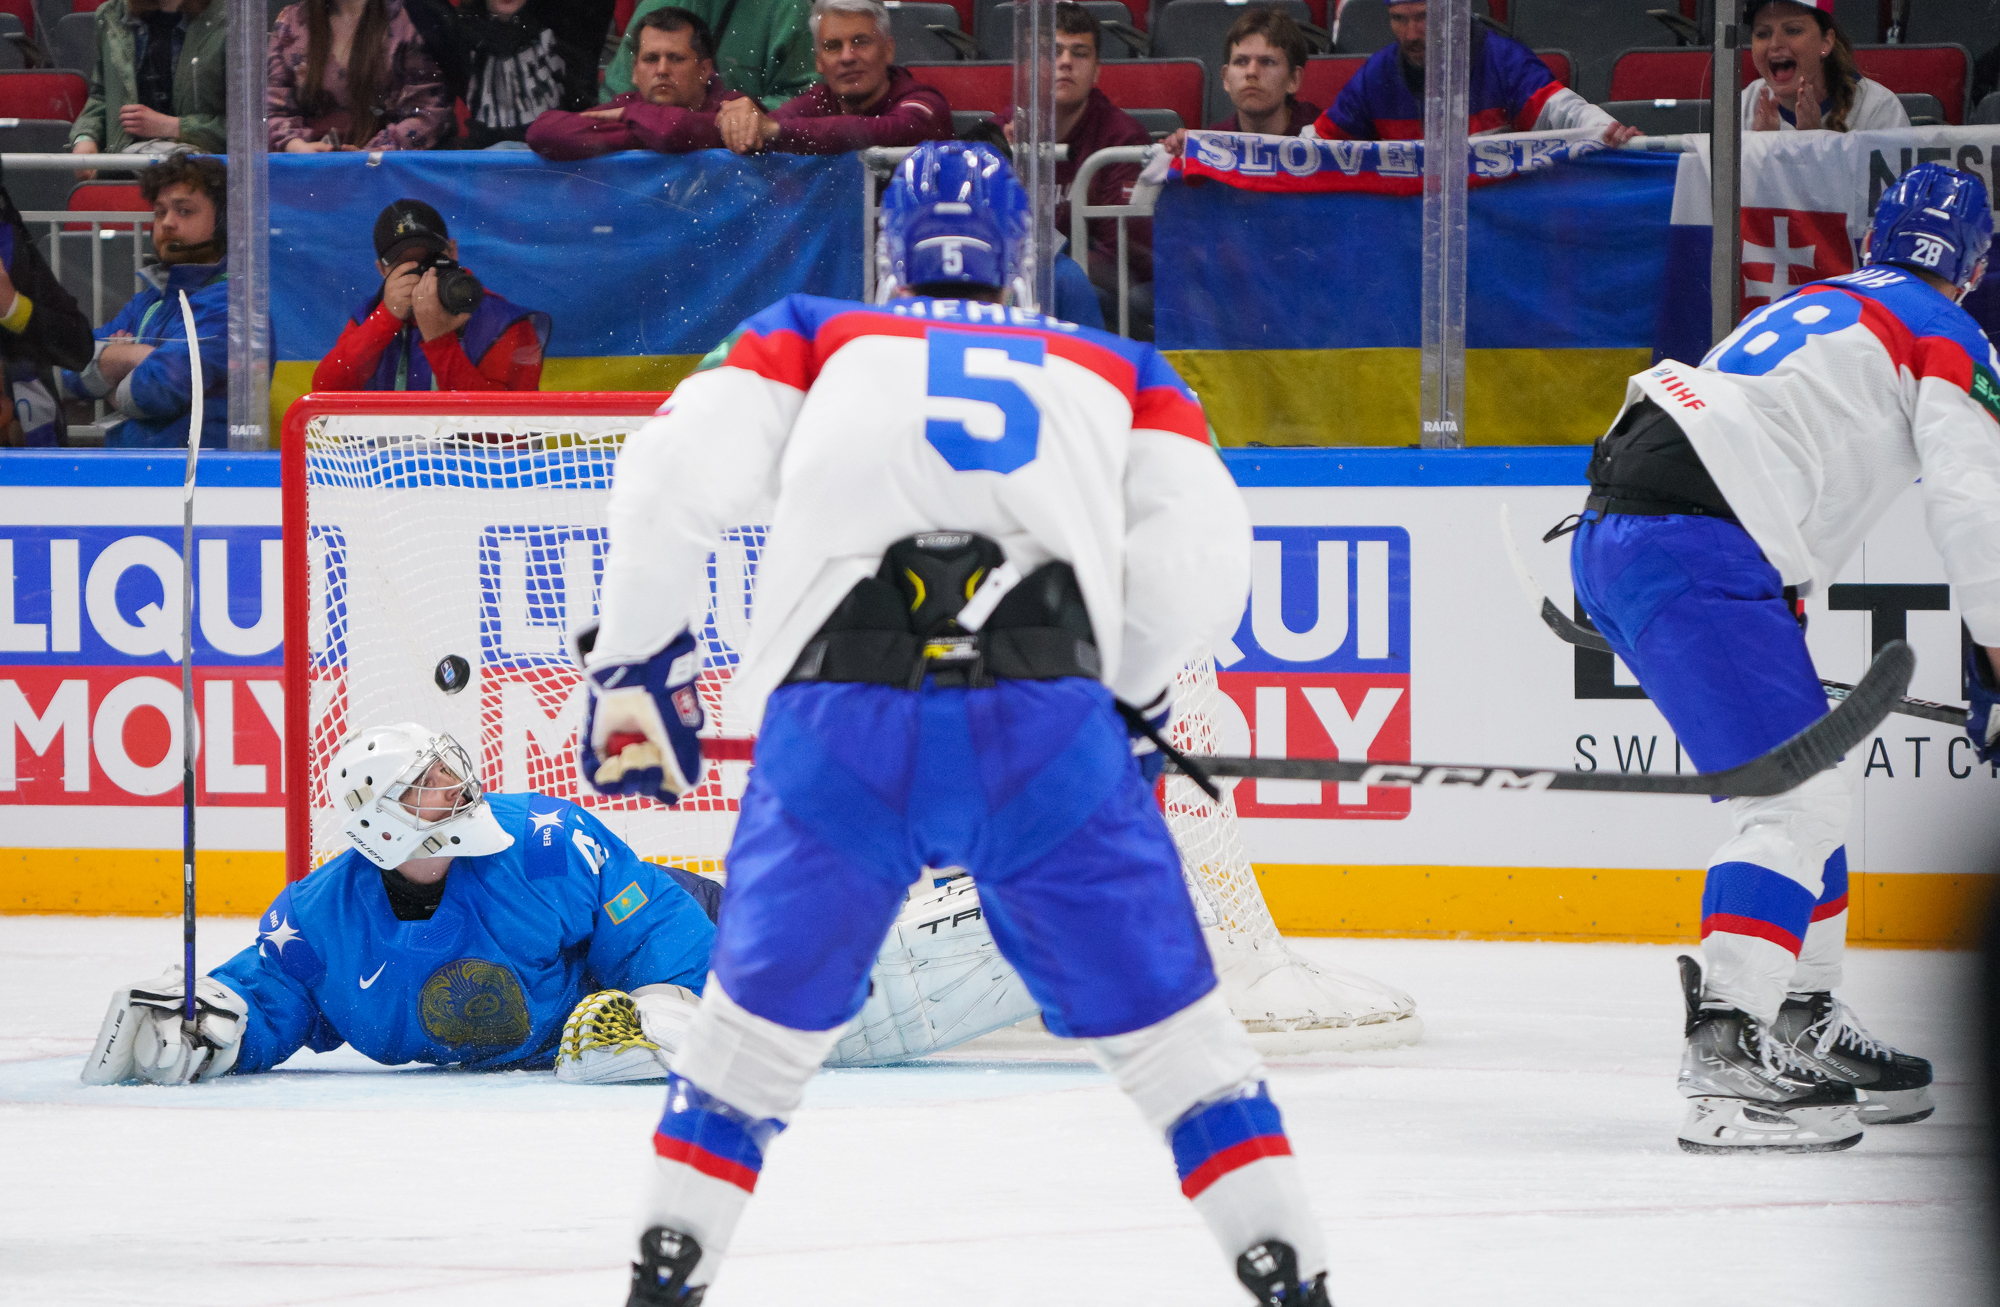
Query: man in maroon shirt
(862, 100)
(671, 107)
(1087, 121)
(1263, 58)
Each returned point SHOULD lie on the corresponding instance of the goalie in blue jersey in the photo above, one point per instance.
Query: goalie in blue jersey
(509, 931)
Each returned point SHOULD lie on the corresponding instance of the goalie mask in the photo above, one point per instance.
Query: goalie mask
(953, 214)
(407, 792)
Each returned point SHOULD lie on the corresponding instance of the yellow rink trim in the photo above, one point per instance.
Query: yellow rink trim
(1915, 910)
(1369, 396)
(137, 882)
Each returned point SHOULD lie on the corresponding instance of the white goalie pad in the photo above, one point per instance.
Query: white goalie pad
(1290, 1005)
(938, 982)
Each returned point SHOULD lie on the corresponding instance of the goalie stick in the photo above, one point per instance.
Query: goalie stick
(190, 1018)
(1572, 632)
(1813, 750)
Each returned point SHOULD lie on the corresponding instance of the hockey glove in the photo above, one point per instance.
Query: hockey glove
(1155, 715)
(142, 1037)
(641, 737)
(1982, 693)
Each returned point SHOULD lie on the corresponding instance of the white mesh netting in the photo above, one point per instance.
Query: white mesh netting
(484, 538)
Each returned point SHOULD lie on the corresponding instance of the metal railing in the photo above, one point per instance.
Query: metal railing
(1081, 211)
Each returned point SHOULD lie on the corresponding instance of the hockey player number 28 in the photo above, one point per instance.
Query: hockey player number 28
(991, 423)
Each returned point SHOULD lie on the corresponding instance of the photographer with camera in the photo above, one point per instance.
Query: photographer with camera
(432, 326)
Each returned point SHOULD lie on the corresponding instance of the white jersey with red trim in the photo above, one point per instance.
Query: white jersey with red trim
(1820, 409)
(855, 426)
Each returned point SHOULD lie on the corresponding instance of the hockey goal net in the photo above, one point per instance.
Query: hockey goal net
(419, 532)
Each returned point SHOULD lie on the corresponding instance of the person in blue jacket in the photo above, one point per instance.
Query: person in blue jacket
(461, 928)
(141, 366)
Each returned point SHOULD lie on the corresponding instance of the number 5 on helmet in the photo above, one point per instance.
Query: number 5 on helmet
(641, 735)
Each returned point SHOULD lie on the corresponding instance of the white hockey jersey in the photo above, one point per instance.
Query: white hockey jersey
(855, 426)
(1819, 409)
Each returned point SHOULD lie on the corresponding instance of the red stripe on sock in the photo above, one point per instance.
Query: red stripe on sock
(1229, 1159)
(1730, 923)
(1832, 908)
(721, 1168)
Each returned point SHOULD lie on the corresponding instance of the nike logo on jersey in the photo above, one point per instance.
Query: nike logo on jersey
(371, 979)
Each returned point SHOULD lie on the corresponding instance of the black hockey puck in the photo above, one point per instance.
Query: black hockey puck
(453, 674)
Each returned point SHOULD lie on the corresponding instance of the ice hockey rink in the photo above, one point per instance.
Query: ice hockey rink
(1523, 1153)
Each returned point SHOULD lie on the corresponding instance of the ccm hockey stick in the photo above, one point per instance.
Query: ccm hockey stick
(189, 1017)
(1811, 751)
(1570, 632)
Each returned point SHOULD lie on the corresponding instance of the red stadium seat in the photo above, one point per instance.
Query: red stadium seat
(23, 10)
(96, 197)
(1325, 74)
(985, 86)
(621, 15)
(1558, 64)
(1176, 84)
(1673, 73)
(42, 94)
(1940, 70)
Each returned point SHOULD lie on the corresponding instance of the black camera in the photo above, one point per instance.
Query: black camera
(458, 290)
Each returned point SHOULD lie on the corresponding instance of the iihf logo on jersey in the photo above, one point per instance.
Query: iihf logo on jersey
(1320, 666)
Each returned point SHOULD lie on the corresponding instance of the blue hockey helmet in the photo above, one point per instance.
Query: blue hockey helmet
(954, 213)
(1935, 219)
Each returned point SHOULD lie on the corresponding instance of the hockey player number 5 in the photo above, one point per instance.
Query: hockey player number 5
(986, 422)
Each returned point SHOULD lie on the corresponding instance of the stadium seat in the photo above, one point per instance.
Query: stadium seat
(1364, 25)
(984, 87)
(1941, 70)
(23, 14)
(11, 25)
(73, 43)
(1988, 112)
(996, 32)
(12, 56)
(48, 13)
(36, 188)
(1325, 74)
(919, 31)
(1161, 123)
(1176, 84)
(1924, 110)
(1560, 66)
(42, 93)
(1661, 117)
(98, 196)
(1194, 29)
(1974, 24)
(1595, 31)
(1677, 73)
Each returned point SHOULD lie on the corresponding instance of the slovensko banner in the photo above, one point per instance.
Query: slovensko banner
(1808, 199)
(1296, 165)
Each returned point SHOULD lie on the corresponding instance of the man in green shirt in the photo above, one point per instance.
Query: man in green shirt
(764, 48)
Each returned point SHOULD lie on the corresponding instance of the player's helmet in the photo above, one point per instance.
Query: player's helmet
(1935, 219)
(953, 213)
(371, 774)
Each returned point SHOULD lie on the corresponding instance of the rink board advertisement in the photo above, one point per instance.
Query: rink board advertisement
(1384, 623)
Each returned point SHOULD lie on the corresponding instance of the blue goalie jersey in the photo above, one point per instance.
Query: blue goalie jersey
(519, 938)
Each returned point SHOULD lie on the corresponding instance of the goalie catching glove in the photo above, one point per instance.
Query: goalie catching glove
(613, 1036)
(143, 1037)
(640, 738)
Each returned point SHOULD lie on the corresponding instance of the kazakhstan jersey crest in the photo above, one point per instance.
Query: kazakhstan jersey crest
(474, 1002)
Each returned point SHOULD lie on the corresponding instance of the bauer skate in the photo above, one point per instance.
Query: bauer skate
(1270, 1271)
(1894, 1088)
(1750, 1092)
(659, 1277)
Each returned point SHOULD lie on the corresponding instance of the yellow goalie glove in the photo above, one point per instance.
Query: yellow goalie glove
(613, 1037)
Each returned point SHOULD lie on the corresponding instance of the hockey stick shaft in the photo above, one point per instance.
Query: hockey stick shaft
(1572, 632)
(188, 1015)
(1813, 750)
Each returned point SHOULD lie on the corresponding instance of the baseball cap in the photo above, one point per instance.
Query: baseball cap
(405, 226)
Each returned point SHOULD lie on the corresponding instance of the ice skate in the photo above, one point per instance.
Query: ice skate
(1893, 1087)
(1748, 1092)
(659, 1277)
(1270, 1271)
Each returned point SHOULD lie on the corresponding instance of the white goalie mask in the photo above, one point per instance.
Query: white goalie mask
(381, 781)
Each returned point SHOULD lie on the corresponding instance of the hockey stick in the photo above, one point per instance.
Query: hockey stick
(189, 1018)
(1570, 632)
(1791, 764)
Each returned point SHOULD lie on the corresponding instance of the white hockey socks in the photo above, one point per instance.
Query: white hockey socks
(1196, 1079)
(1819, 968)
(735, 1082)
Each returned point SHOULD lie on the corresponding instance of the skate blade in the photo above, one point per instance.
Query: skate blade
(1734, 1125)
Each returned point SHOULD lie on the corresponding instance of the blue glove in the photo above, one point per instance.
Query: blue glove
(1982, 722)
(641, 737)
(1147, 754)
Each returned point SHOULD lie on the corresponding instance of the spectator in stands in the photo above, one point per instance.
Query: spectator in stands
(864, 99)
(511, 61)
(1076, 298)
(1512, 90)
(763, 48)
(141, 364)
(385, 92)
(671, 108)
(41, 329)
(157, 82)
(403, 338)
(1806, 76)
(1263, 58)
(1087, 122)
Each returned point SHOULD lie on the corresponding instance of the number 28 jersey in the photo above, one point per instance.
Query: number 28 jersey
(853, 426)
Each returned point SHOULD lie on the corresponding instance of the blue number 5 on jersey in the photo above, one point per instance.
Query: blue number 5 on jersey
(952, 377)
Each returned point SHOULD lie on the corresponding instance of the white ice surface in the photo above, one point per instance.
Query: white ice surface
(1522, 1154)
